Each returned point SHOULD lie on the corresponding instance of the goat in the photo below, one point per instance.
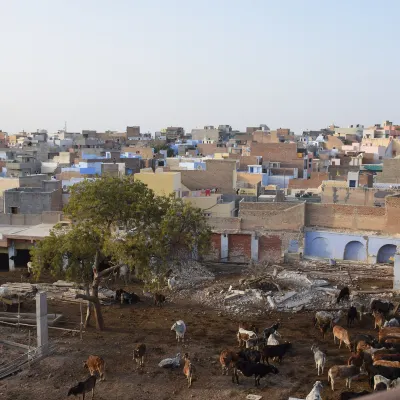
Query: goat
(387, 372)
(352, 395)
(249, 369)
(395, 383)
(96, 363)
(344, 294)
(138, 354)
(342, 371)
(319, 358)
(323, 329)
(243, 336)
(351, 315)
(272, 329)
(343, 336)
(188, 369)
(159, 299)
(272, 340)
(324, 317)
(315, 393)
(392, 323)
(254, 343)
(227, 358)
(379, 319)
(180, 328)
(83, 387)
(381, 379)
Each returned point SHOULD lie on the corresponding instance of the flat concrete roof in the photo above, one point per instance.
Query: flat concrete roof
(26, 232)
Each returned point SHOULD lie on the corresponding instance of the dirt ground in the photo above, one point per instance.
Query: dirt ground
(208, 333)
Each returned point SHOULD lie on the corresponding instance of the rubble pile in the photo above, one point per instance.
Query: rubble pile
(190, 274)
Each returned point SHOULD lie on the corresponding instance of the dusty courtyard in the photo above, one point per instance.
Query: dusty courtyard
(209, 332)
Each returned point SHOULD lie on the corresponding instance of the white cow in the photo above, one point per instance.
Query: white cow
(180, 328)
(319, 358)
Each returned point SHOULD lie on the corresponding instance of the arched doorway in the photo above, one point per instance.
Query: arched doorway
(320, 248)
(355, 251)
(385, 253)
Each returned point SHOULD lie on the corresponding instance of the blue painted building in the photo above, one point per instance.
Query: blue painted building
(343, 246)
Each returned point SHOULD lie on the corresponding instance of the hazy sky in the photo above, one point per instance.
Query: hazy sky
(106, 64)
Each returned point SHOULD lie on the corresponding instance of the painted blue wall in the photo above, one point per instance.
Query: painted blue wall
(344, 246)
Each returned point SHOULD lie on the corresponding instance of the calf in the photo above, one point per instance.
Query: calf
(84, 387)
(159, 299)
(138, 354)
(347, 372)
(379, 319)
(351, 315)
(249, 369)
(352, 395)
(343, 336)
(315, 393)
(96, 363)
(275, 351)
(319, 358)
(188, 369)
(344, 294)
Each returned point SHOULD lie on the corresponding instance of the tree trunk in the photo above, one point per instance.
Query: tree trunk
(97, 308)
(88, 309)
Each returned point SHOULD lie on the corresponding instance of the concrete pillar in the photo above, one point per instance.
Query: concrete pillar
(396, 270)
(42, 330)
(224, 246)
(254, 247)
(11, 252)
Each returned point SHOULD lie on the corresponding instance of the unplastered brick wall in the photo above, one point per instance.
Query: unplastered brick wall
(275, 151)
(245, 161)
(269, 248)
(351, 217)
(393, 214)
(224, 224)
(215, 247)
(261, 210)
(239, 247)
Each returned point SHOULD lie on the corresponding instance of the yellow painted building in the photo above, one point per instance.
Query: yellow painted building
(212, 205)
(162, 183)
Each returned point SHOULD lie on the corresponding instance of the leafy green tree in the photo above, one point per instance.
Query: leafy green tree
(124, 222)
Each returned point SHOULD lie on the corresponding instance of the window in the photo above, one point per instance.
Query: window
(14, 210)
(352, 183)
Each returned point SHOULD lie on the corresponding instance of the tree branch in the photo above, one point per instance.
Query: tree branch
(92, 299)
(109, 270)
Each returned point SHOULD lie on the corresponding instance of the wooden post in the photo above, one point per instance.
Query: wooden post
(29, 349)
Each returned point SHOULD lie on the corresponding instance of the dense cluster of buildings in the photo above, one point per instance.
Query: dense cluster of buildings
(268, 194)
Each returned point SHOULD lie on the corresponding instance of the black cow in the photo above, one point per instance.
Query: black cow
(84, 387)
(344, 294)
(381, 306)
(249, 369)
(351, 316)
(253, 356)
(278, 350)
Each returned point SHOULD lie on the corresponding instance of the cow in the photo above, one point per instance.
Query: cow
(344, 294)
(275, 351)
(159, 299)
(351, 316)
(83, 387)
(96, 364)
(249, 369)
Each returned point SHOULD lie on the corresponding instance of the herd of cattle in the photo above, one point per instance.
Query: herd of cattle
(378, 358)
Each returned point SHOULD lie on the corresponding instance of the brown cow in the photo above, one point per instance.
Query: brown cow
(387, 363)
(343, 336)
(227, 359)
(96, 363)
(188, 369)
(379, 319)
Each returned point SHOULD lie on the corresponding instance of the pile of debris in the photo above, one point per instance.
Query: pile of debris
(190, 274)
